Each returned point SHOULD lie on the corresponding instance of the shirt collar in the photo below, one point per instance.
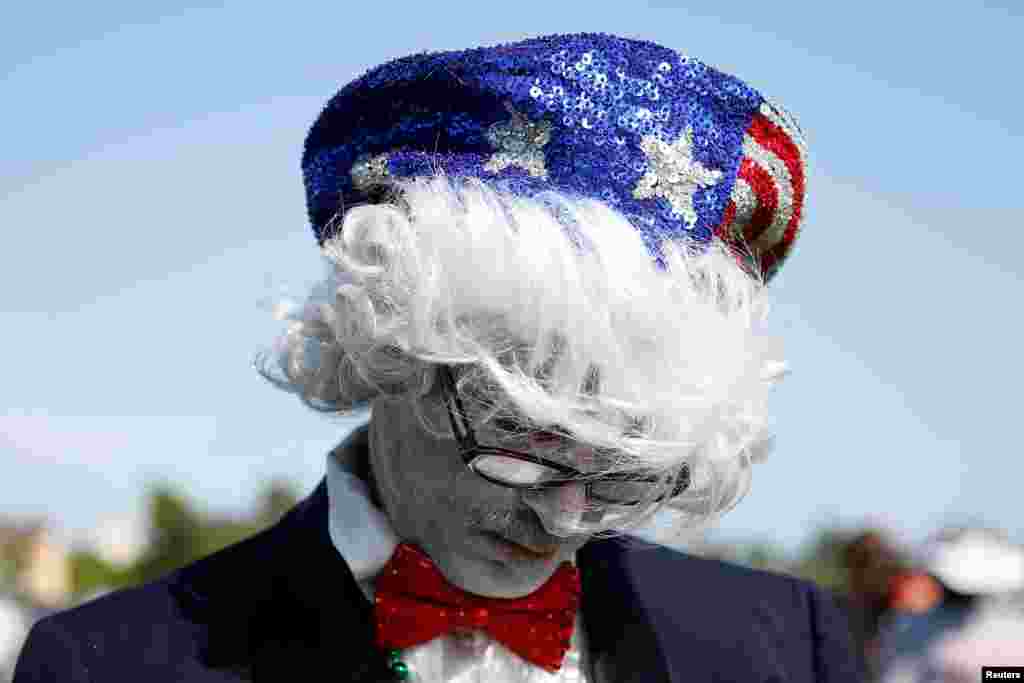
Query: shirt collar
(359, 530)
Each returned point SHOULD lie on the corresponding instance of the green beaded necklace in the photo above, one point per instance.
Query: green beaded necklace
(398, 668)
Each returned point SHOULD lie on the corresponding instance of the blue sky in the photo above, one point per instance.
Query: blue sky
(151, 203)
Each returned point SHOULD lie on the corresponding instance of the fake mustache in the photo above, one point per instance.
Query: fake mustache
(520, 525)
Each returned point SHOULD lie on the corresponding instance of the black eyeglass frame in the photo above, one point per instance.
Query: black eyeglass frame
(472, 451)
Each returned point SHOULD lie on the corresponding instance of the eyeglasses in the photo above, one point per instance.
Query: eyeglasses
(525, 470)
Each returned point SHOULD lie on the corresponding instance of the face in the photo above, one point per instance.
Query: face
(483, 537)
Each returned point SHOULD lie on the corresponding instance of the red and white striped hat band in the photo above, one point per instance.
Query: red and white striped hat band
(765, 207)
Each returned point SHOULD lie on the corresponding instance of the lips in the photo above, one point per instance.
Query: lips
(540, 551)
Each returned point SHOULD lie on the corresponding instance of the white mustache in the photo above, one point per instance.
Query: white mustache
(521, 527)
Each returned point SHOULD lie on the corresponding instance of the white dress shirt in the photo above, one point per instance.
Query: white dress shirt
(364, 537)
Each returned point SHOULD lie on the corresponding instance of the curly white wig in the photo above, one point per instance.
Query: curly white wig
(559, 319)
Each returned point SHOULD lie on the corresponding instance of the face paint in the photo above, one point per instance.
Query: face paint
(486, 539)
(560, 510)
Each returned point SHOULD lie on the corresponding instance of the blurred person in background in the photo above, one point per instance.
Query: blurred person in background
(960, 610)
(872, 563)
(546, 269)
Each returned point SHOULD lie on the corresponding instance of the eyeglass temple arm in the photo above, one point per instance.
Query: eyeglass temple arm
(451, 392)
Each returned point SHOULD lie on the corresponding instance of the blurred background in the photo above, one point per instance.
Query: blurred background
(152, 212)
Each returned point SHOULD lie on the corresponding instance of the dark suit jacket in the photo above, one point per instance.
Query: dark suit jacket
(283, 606)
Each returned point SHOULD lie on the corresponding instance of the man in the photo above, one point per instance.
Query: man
(960, 611)
(871, 563)
(545, 276)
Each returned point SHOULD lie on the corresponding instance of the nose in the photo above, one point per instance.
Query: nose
(560, 509)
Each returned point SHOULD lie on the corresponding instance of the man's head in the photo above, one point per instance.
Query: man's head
(654, 368)
(584, 224)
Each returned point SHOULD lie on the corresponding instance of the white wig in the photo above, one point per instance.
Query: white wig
(560, 319)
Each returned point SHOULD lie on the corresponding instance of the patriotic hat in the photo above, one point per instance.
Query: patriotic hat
(975, 561)
(680, 148)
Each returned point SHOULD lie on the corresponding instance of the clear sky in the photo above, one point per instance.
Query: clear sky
(151, 205)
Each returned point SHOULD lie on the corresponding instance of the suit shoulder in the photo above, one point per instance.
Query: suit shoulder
(130, 615)
(736, 576)
(713, 619)
(779, 611)
(164, 630)
(652, 564)
(144, 597)
(143, 631)
(50, 653)
(154, 607)
(65, 646)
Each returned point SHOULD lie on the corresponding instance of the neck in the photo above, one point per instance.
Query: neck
(356, 452)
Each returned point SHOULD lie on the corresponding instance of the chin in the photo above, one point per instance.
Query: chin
(495, 578)
(498, 588)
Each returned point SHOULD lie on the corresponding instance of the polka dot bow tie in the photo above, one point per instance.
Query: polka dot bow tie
(415, 604)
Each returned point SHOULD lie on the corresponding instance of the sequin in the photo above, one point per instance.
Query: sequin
(369, 171)
(674, 175)
(520, 142)
(776, 168)
(653, 132)
(745, 202)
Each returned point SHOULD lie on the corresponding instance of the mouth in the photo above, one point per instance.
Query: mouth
(521, 550)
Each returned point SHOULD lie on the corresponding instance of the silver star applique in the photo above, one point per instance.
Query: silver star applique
(520, 142)
(674, 175)
(368, 171)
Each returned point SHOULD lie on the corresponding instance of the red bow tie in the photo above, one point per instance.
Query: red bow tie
(416, 604)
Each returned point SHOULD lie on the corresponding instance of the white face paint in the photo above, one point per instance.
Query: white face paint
(560, 510)
(484, 538)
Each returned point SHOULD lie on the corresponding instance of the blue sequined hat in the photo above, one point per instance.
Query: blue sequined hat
(680, 148)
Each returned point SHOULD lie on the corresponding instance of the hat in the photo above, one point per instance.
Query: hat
(975, 561)
(681, 149)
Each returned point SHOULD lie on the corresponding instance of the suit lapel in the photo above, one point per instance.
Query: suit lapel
(282, 604)
(624, 645)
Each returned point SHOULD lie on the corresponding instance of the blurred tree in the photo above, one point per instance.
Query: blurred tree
(763, 556)
(277, 498)
(822, 559)
(180, 534)
(216, 535)
(8, 572)
(90, 574)
(176, 534)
